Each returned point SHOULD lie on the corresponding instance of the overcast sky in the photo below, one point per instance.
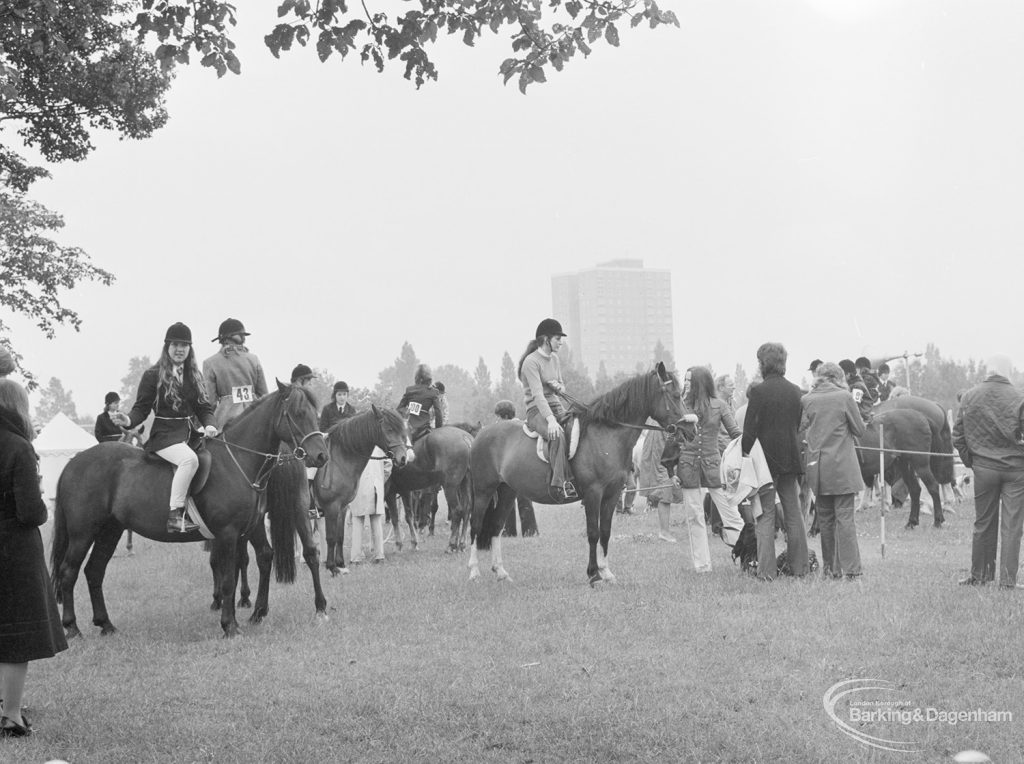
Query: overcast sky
(841, 176)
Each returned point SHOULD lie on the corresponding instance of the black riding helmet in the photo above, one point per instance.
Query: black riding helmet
(549, 327)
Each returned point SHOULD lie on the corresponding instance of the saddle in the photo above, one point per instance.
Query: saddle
(571, 430)
(195, 487)
(202, 474)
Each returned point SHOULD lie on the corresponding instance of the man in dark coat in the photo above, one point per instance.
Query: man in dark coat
(988, 437)
(773, 418)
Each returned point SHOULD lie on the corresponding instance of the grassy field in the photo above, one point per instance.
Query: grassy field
(418, 664)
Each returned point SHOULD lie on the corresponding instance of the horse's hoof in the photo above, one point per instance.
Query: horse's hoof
(244, 602)
(230, 632)
(502, 574)
(474, 573)
(215, 605)
(595, 578)
(321, 617)
(258, 615)
(909, 526)
(607, 576)
(71, 632)
(107, 629)
(398, 545)
(450, 550)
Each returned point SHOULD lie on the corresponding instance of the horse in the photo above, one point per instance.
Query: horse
(941, 437)
(504, 462)
(351, 442)
(905, 429)
(442, 461)
(113, 486)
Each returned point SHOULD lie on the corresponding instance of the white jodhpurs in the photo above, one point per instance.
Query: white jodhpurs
(187, 463)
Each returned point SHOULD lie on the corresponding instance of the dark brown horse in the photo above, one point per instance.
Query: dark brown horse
(504, 463)
(905, 430)
(351, 443)
(442, 461)
(113, 486)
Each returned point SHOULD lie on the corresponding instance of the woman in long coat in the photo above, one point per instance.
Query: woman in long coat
(830, 421)
(30, 626)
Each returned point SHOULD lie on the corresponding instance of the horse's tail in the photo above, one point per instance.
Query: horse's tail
(286, 487)
(489, 526)
(59, 545)
(942, 466)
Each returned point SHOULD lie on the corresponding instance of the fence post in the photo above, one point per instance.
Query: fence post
(881, 473)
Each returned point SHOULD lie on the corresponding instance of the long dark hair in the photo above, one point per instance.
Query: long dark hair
(702, 390)
(530, 347)
(169, 383)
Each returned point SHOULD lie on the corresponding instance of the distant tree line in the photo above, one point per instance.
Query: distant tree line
(473, 394)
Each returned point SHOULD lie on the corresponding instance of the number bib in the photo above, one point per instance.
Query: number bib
(242, 394)
(415, 409)
(858, 395)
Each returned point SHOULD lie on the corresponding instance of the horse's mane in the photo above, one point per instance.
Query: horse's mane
(265, 401)
(624, 402)
(350, 434)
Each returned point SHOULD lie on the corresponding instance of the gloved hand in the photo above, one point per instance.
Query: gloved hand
(554, 428)
(210, 431)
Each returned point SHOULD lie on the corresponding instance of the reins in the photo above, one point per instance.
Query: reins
(263, 473)
(270, 461)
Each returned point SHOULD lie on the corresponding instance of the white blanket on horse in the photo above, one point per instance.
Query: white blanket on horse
(574, 440)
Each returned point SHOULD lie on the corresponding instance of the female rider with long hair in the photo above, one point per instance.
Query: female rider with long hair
(173, 390)
(541, 375)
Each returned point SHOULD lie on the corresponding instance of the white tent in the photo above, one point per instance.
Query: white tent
(56, 444)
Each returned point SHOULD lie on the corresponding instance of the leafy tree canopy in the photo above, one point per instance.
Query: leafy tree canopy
(544, 35)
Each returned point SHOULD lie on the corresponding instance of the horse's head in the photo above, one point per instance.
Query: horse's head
(394, 436)
(298, 425)
(667, 406)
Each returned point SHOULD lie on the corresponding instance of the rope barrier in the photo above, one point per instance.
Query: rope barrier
(901, 451)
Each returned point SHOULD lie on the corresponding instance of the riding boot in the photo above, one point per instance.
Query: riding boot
(178, 522)
(562, 487)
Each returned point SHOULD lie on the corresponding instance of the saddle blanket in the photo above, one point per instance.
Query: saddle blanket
(574, 440)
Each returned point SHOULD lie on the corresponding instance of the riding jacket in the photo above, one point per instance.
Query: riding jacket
(233, 379)
(423, 404)
(172, 423)
(105, 428)
(331, 414)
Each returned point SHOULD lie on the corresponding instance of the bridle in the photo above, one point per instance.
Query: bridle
(271, 461)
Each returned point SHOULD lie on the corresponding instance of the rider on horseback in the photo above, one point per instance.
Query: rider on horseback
(233, 376)
(173, 390)
(541, 375)
(419, 400)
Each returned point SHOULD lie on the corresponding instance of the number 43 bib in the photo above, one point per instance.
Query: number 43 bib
(242, 394)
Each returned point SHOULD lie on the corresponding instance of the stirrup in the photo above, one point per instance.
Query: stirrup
(569, 490)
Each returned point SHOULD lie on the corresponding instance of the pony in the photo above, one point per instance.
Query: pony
(442, 461)
(113, 486)
(503, 463)
(942, 467)
(905, 429)
(351, 443)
